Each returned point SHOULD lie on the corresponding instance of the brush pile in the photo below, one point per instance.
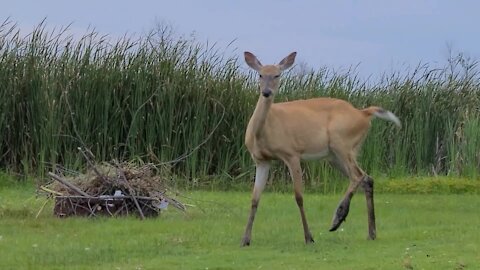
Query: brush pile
(111, 190)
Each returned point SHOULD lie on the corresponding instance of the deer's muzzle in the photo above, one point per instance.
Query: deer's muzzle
(266, 93)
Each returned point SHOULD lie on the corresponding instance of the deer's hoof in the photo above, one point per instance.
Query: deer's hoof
(245, 242)
(309, 240)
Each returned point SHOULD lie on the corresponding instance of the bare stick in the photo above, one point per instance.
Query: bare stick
(90, 163)
(41, 209)
(68, 184)
(120, 209)
(122, 175)
(50, 191)
(107, 197)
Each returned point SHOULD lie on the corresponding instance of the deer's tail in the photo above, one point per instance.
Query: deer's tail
(383, 114)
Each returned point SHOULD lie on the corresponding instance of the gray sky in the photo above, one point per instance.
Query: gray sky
(379, 35)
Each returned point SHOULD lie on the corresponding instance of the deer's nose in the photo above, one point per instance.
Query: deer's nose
(266, 92)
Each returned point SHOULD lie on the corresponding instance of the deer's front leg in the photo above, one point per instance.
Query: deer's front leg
(261, 176)
(296, 173)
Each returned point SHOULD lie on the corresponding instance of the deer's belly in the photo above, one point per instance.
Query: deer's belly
(315, 155)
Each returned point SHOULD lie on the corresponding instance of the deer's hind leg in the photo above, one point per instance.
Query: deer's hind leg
(347, 165)
(367, 183)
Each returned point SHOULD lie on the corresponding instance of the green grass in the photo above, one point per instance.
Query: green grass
(420, 231)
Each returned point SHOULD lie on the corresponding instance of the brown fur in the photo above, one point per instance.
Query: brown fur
(317, 128)
(307, 127)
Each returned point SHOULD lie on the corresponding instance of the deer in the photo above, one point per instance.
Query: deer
(317, 128)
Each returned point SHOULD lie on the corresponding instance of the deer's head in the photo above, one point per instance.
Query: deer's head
(269, 75)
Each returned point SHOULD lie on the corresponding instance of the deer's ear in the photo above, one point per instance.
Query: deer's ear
(252, 61)
(287, 61)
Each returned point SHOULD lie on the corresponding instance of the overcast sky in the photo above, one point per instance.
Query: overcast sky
(379, 35)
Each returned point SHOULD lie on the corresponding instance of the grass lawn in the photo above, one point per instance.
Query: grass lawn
(414, 232)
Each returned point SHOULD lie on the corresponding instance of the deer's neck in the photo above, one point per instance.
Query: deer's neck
(259, 116)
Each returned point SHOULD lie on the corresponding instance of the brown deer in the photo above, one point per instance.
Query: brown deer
(307, 129)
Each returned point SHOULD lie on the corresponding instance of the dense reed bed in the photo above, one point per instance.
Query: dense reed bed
(172, 101)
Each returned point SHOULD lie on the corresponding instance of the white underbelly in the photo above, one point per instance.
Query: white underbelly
(317, 155)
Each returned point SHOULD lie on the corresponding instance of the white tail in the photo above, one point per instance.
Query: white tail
(383, 114)
(314, 128)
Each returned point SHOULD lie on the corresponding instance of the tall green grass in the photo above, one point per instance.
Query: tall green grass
(173, 101)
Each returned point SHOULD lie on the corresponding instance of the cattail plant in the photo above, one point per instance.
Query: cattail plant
(168, 99)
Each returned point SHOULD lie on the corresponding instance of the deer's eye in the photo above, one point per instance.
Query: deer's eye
(261, 76)
(276, 76)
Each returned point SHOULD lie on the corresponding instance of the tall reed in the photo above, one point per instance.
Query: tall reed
(170, 100)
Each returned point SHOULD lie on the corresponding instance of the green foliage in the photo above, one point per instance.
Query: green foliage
(172, 101)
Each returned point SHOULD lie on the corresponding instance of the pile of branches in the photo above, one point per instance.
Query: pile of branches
(113, 190)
